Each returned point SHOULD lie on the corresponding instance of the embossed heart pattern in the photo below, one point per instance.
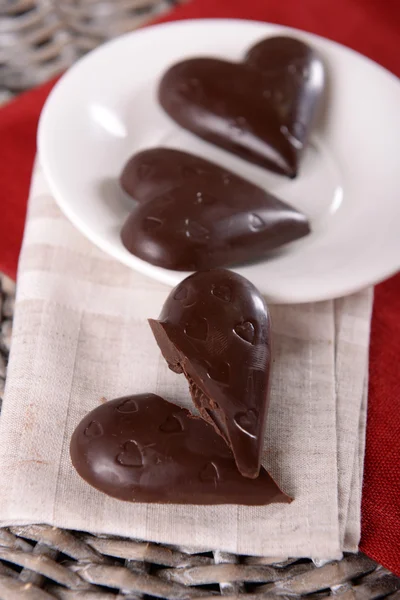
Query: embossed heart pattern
(194, 215)
(214, 328)
(262, 109)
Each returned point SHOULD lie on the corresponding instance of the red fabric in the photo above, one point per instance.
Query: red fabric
(372, 27)
(18, 124)
(380, 522)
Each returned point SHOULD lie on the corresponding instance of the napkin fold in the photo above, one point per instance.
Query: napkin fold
(81, 333)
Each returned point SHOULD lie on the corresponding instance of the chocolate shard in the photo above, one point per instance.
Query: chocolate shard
(215, 328)
(260, 109)
(145, 449)
(194, 214)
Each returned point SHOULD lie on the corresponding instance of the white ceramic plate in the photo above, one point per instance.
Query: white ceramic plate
(104, 109)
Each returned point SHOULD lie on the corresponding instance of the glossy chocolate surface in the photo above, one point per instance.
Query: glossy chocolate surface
(145, 449)
(156, 171)
(214, 327)
(294, 78)
(261, 109)
(194, 214)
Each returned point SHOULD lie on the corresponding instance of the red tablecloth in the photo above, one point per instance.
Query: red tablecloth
(373, 28)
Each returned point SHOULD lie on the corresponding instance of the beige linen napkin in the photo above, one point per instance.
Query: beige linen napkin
(80, 333)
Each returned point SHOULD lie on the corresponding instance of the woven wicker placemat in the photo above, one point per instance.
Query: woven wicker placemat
(41, 38)
(41, 562)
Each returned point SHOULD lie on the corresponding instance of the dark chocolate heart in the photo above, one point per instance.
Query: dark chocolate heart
(161, 453)
(261, 109)
(228, 370)
(174, 228)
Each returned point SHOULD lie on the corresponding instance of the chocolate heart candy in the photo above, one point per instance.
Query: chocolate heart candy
(196, 215)
(260, 109)
(161, 453)
(214, 327)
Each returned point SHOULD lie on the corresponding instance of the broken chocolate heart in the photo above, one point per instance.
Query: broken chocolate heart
(228, 365)
(176, 226)
(161, 453)
(261, 109)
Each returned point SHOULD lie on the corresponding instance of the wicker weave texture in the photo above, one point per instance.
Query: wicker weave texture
(60, 564)
(39, 562)
(41, 38)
